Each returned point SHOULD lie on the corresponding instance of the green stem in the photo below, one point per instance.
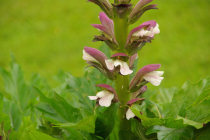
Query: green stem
(122, 82)
(122, 88)
(121, 32)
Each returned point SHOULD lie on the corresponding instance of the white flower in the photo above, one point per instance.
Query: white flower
(154, 77)
(88, 57)
(129, 114)
(124, 68)
(150, 33)
(105, 98)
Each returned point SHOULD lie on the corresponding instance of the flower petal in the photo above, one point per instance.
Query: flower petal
(108, 88)
(129, 114)
(106, 100)
(109, 64)
(107, 25)
(154, 77)
(93, 97)
(124, 68)
(156, 30)
(99, 27)
(106, 21)
(101, 94)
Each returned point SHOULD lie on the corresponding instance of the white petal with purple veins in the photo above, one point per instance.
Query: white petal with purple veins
(124, 68)
(102, 93)
(156, 30)
(150, 33)
(88, 57)
(129, 114)
(109, 64)
(105, 98)
(154, 77)
(141, 33)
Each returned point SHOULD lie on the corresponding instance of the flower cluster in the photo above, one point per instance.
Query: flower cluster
(121, 63)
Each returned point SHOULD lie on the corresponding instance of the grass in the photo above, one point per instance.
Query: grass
(46, 36)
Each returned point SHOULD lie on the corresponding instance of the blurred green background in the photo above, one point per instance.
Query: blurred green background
(46, 36)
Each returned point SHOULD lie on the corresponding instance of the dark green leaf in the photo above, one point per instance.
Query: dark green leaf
(105, 120)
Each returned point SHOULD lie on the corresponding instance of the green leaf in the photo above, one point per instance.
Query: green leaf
(35, 135)
(187, 105)
(202, 134)
(105, 120)
(19, 97)
(15, 116)
(147, 122)
(28, 131)
(87, 124)
(164, 133)
(58, 108)
(190, 122)
(138, 129)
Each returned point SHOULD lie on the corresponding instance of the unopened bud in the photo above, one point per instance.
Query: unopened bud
(139, 10)
(105, 5)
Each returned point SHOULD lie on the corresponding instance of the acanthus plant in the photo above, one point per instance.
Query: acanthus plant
(111, 102)
(114, 28)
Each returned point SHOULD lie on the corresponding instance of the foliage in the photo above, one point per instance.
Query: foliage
(31, 110)
(176, 113)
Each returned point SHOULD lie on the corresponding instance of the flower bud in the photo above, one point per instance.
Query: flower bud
(132, 60)
(139, 92)
(107, 29)
(132, 101)
(121, 9)
(105, 5)
(139, 9)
